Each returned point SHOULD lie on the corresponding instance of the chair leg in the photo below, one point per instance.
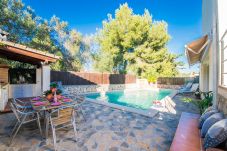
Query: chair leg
(54, 138)
(13, 135)
(83, 115)
(14, 128)
(39, 126)
(81, 111)
(75, 131)
(74, 126)
(47, 122)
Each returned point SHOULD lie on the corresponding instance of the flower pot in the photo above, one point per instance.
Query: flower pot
(49, 97)
(53, 90)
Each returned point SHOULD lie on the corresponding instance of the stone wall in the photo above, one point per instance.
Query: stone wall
(222, 100)
(80, 89)
(164, 86)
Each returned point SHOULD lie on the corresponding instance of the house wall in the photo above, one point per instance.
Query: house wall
(222, 27)
(214, 23)
(30, 90)
(26, 90)
(222, 100)
(45, 81)
(204, 76)
(208, 18)
(207, 68)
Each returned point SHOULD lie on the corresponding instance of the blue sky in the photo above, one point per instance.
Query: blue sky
(183, 16)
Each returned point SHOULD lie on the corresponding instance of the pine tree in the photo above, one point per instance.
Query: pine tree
(132, 43)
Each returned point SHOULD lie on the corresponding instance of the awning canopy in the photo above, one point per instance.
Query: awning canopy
(24, 54)
(196, 49)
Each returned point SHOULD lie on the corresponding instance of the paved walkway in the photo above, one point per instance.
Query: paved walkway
(106, 129)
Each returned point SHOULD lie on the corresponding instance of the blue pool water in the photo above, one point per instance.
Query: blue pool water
(142, 99)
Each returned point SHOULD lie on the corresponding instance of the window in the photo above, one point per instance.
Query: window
(224, 60)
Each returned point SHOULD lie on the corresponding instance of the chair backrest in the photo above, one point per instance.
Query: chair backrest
(194, 87)
(62, 115)
(19, 102)
(14, 109)
(189, 85)
(18, 110)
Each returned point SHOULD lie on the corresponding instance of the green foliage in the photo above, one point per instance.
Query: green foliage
(58, 92)
(202, 104)
(53, 85)
(187, 100)
(54, 36)
(135, 44)
(47, 92)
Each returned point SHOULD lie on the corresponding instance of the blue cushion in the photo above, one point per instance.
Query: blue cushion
(210, 121)
(216, 134)
(205, 116)
(209, 109)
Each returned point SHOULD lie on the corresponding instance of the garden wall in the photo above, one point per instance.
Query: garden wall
(174, 82)
(222, 100)
(85, 78)
(81, 89)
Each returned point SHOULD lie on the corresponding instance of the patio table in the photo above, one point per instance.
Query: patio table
(47, 106)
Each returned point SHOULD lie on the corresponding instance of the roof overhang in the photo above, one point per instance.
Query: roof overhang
(195, 50)
(24, 54)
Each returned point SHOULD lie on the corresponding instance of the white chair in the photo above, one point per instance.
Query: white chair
(24, 115)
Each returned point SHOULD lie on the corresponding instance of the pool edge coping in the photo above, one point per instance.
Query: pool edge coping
(148, 113)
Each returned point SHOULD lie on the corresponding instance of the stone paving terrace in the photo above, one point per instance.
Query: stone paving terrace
(106, 129)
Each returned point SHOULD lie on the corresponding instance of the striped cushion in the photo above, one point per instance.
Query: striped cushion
(204, 116)
(216, 135)
(210, 121)
(209, 109)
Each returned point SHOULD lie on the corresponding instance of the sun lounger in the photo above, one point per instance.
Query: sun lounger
(193, 88)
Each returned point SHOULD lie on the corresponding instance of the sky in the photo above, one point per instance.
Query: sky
(184, 17)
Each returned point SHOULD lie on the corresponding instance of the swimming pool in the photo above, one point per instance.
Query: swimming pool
(140, 99)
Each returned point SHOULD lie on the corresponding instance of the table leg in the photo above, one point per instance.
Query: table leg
(47, 125)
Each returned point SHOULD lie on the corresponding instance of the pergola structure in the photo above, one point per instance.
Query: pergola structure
(24, 54)
(21, 53)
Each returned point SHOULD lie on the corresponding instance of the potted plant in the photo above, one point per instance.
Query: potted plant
(48, 94)
(59, 92)
(198, 94)
(53, 87)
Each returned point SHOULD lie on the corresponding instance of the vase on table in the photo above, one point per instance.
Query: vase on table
(49, 97)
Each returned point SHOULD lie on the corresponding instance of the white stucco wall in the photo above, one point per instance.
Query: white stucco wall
(208, 24)
(222, 27)
(222, 17)
(208, 10)
(214, 23)
(45, 77)
(209, 27)
(26, 90)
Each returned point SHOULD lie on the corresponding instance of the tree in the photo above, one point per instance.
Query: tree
(18, 20)
(135, 44)
(70, 43)
(53, 36)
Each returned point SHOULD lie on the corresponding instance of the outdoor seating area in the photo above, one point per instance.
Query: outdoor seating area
(54, 115)
(187, 136)
(105, 128)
